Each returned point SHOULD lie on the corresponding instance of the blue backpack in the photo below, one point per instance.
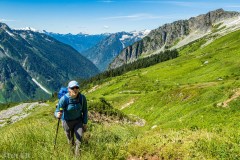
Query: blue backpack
(62, 92)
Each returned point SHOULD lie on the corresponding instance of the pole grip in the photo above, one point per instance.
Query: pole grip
(61, 111)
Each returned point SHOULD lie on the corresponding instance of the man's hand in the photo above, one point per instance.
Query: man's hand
(59, 115)
(84, 127)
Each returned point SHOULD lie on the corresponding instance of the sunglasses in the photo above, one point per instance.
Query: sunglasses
(72, 88)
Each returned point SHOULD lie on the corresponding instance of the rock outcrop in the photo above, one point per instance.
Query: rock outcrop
(169, 35)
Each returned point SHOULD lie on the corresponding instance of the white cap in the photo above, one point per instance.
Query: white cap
(73, 84)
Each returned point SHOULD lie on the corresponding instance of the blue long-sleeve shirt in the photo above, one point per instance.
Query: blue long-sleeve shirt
(73, 108)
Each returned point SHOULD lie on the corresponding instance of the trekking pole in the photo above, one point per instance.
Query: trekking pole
(57, 130)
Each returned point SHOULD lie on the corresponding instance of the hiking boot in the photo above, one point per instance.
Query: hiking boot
(77, 148)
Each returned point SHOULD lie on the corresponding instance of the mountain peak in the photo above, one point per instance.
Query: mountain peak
(82, 33)
(4, 26)
(218, 10)
(30, 29)
(219, 13)
(179, 33)
(27, 29)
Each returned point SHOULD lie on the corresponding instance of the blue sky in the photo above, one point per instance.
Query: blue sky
(101, 16)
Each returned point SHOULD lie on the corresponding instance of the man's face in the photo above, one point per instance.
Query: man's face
(73, 91)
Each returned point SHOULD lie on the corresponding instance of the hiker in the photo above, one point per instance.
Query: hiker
(72, 109)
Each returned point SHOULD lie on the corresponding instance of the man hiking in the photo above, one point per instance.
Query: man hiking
(72, 109)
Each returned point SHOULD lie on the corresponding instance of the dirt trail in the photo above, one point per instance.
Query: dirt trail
(18, 112)
(127, 104)
(236, 95)
(93, 88)
(104, 119)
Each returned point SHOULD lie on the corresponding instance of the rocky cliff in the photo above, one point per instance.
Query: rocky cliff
(171, 35)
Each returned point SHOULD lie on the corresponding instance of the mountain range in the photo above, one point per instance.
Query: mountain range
(33, 64)
(180, 33)
(106, 50)
(101, 49)
(81, 42)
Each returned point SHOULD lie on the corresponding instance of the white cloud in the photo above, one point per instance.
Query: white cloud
(81, 27)
(136, 17)
(106, 27)
(7, 20)
(233, 6)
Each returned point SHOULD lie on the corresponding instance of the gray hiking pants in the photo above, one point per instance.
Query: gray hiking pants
(71, 128)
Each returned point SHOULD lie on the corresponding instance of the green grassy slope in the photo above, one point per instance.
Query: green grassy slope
(33, 138)
(185, 95)
(181, 101)
(195, 81)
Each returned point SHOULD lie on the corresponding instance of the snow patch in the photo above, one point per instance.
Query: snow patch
(123, 45)
(44, 89)
(24, 62)
(141, 34)
(6, 52)
(133, 35)
(48, 40)
(146, 31)
(28, 29)
(24, 36)
(10, 33)
(124, 37)
(2, 52)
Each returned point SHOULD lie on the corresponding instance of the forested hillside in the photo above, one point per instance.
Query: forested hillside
(33, 65)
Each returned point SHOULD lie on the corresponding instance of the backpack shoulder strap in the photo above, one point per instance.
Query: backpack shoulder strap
(66, 101)
(81, 99)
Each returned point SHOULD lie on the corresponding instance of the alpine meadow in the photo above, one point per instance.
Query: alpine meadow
(184, 106)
